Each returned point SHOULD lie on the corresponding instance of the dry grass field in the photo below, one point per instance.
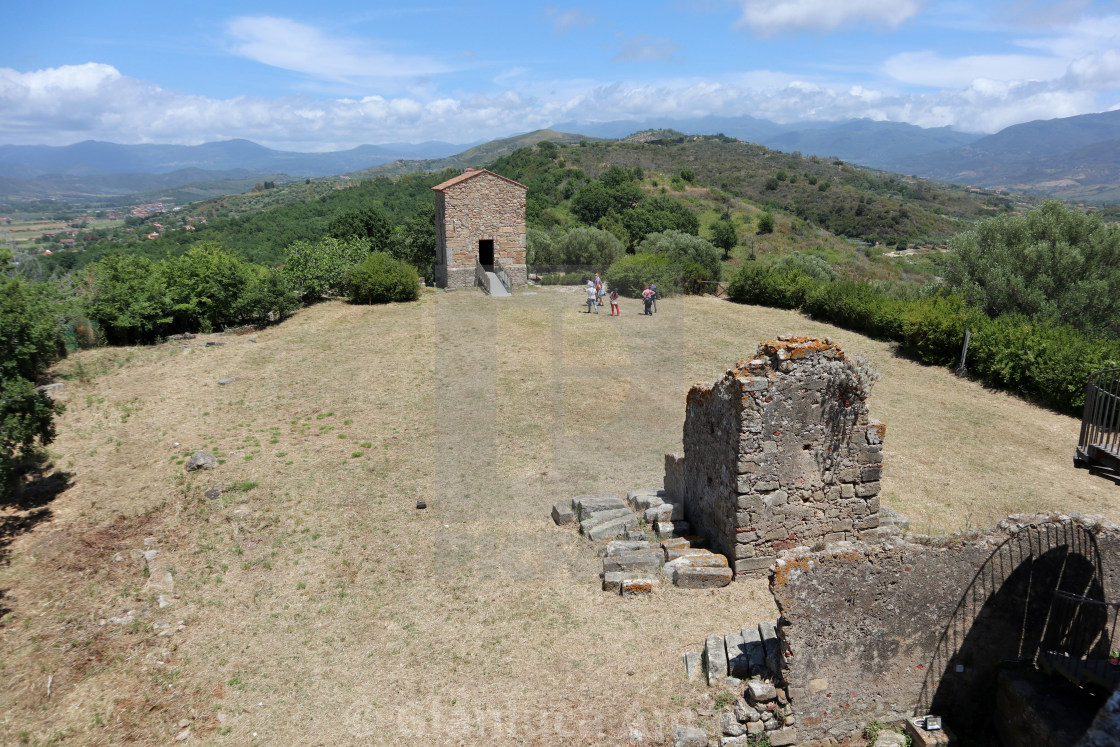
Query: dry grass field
(314, 604)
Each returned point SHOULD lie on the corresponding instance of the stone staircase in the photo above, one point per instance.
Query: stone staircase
(494, 286)
(647, 541)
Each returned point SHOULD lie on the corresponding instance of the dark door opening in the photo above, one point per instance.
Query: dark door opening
(486, 252)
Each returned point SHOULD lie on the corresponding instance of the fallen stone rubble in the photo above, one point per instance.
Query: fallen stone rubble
(750, 659)
(647, 541)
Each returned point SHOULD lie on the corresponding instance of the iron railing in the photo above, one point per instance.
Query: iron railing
(480, 277)
(503, 275)
(1099, 445)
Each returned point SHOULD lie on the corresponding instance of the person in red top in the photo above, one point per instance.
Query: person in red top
(647, 299)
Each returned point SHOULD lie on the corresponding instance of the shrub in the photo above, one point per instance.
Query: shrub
(631, 274)
(127, 296)
(316, 269)
(766, 223)
(761, 284)
(684, 249)
(381, 279)
(204, 286)
(582, 246)
(809, 264)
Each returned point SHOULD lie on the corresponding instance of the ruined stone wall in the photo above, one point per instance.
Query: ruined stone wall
(889, 630)
(780, 452)
(483, 206)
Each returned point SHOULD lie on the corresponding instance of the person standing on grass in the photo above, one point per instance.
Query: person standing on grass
(614, 303)
(653, 296)
(647, 299)
(592, 294)
(602, 291)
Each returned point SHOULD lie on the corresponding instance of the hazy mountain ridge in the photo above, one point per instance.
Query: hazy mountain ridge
(1073, 157)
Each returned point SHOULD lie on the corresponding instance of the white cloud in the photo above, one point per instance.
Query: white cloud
(646, 49)
(573, 18)
(771, 16)
(282, 43)
(95, 101)
(931, 69)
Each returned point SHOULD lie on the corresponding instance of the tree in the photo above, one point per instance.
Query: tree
(688, 175)
(724, 235)
(584, 246)
(684, 249)
(362, 224)
(1053, 263)
(659, 214)
(204, 287)
(29, 342)
(316, 269)
(414, 241)
(127, 296)
(766, 223)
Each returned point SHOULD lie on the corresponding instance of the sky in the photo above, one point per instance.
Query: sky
(324, 76)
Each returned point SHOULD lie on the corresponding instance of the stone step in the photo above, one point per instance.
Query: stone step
(644, 561)
(636, 587)
(769, 635)
(672, 553)
(643, 498)
(690, 577)
(586, 505)
(755, 651)
(666, 529)
(715, 658)
(675, 542)
(602, 517)
(664, 512)
(620, 546)
(738, 663)
(562, 513)
(612, 528)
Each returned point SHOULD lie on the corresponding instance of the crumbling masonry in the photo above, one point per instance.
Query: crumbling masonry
(780, 452)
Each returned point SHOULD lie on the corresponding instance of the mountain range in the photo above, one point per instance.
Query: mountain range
(1074, 157)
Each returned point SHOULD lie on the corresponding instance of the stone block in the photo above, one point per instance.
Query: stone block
(647, 496)
(701, 559)
(617, 547)
(871, 474)
(867, 489)
(750, 502)
(693, 665)
(613, 581)
(586, 505)
(754, 650)
(744, 712)
(783, 737)
(769, 634)
(664, 512)
(691, 577)
(847, 491)
(754, 383)
(602, 517)
(689, 736)
(754, 565)
(738, 663)
(636, 587)
(680, 551)
(715, 658)
(759, 691)
(642, 561)
(776, 498)
(666, 529)
(562, 513)
(612, 528)
(755, 727)
(729, 726)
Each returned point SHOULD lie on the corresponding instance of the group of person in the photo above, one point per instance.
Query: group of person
(597, 293)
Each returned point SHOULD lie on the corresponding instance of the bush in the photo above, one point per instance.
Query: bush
(631, 274)
(809, 264)
(685, 249)
(316, 269)
(766, 223)
(26, 419)
(127, 296)
(204, 287)
(564, 278)
(763, 285)
(582, 246)
(381, 279)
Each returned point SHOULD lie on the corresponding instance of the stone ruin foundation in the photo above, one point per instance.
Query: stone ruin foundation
(780, 452)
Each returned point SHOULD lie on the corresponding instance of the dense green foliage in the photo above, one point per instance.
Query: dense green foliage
(724, 235)
(367, 223)
(581, 246)
(631, 274)
(1043, 361)
(381, 279)
(1053, 264)
(698, 259)
(136, 299)
(29, 342)
(316, 269)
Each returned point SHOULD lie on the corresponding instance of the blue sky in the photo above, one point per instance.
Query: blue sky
(332, 75)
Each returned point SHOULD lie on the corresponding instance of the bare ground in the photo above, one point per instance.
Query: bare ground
(319, 606)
